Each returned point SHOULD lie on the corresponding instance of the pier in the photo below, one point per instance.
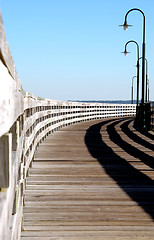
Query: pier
(71, 170)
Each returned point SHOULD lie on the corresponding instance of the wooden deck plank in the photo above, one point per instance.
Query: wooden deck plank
(79, 189)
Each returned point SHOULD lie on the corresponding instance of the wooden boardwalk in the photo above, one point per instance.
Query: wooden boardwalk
(92, 180)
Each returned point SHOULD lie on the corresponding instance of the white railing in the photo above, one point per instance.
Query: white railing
(25, 121)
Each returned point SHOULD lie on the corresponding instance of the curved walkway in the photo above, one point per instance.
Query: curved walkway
(93, 180)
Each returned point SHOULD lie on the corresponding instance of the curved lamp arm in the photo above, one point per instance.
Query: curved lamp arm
(125, 25)
(125, 52)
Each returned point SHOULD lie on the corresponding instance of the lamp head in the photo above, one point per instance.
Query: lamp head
(125, 25)
(125, 52)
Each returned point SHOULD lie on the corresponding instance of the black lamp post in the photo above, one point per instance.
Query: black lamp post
(132, 89)
(143, 111)
(125, 52)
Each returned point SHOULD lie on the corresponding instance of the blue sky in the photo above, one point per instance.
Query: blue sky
(71, 49)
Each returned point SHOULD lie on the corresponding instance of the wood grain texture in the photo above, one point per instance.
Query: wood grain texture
(82, 185)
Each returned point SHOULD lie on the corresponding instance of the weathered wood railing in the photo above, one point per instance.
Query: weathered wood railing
(25, 121)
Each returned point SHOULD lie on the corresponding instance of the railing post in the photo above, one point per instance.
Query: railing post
(15, 136)
(5, 159)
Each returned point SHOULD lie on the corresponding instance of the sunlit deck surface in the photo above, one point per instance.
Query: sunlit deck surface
(93, 180)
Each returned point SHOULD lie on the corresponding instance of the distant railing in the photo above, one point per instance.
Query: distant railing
(25, 121)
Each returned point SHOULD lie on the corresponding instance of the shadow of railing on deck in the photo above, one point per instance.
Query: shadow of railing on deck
(136, 184)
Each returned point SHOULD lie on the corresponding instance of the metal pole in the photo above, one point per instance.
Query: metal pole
(132, 88)
(137, 83)
(146, 91)
(132, 95)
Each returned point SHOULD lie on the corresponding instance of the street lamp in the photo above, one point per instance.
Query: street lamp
(143, 111)
(125, 52)
(132, 87)
(125, 25)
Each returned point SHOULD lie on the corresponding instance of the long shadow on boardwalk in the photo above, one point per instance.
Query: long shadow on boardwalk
(136, 153)
(135, 137)
(136, 184)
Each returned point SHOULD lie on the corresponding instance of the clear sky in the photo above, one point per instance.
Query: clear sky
(71, 49)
